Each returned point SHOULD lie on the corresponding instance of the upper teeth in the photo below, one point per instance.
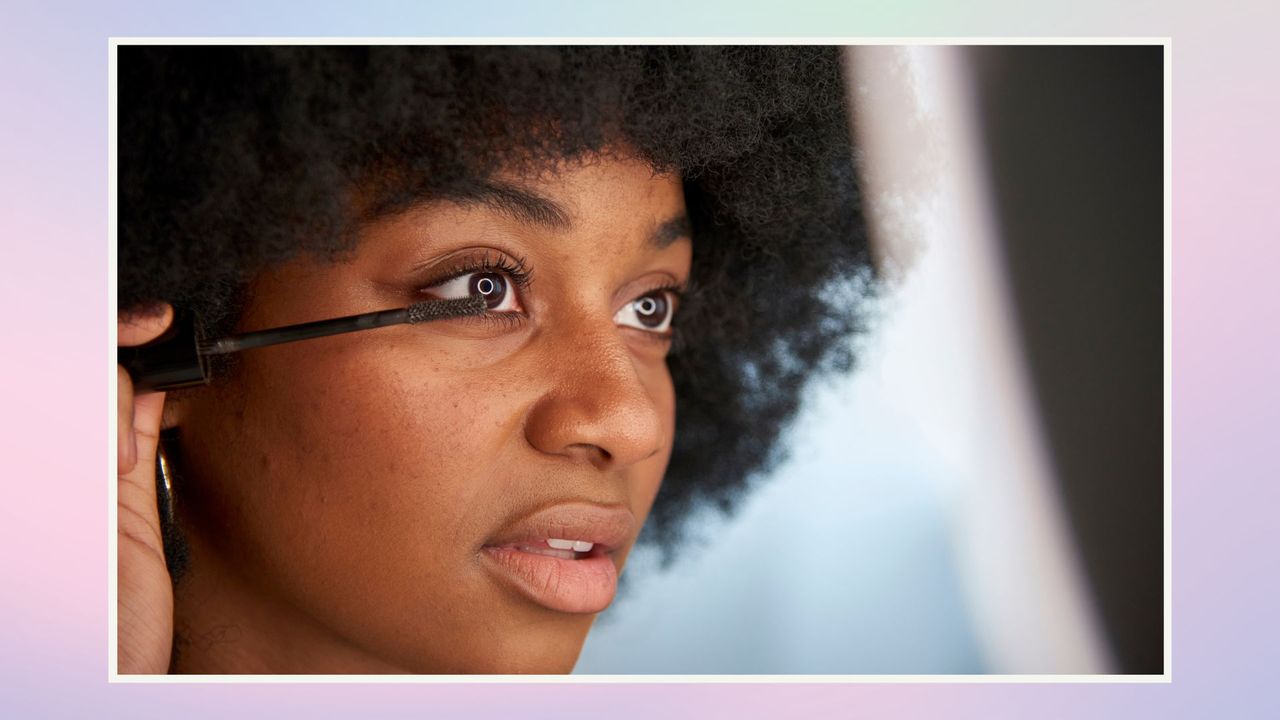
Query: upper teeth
(575, 545)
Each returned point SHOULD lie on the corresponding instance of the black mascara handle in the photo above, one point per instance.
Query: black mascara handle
(169, 362)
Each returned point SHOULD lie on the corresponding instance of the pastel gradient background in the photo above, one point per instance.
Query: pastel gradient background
(1225, 343)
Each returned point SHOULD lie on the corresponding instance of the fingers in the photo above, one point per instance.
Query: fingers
(145, 600)
(138, 517)
(147, 415)
(126, 441)
(139, 417)
(141, 328)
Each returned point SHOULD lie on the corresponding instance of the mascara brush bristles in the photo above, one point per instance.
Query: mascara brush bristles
(417, 313)
(445, 309)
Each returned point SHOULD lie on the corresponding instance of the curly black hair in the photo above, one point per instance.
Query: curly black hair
(234, 158)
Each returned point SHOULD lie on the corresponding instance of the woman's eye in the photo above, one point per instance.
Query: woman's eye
(495, 287)
(652, 312)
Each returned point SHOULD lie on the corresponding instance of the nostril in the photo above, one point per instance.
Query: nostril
(587, 452)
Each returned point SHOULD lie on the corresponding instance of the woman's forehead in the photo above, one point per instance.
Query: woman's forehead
(608, 192)
(619, 200)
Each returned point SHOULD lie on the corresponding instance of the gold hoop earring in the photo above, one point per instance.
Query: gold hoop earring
(169, 474)
(164, 483)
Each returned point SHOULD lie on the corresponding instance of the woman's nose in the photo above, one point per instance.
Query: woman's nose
(597, 408)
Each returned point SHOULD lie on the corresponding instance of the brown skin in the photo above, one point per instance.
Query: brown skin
(144, 592)
(337, 492)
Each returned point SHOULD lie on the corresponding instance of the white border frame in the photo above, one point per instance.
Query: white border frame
(113, 295)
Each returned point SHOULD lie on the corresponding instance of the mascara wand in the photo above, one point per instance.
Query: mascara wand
(177, 359)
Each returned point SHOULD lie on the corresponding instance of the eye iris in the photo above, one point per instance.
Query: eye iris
(491, 286)
(651, 310)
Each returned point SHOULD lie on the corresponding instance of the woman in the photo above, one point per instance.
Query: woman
(460, 496)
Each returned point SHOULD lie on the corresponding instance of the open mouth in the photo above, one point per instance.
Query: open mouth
(560, 548)
(564, 556)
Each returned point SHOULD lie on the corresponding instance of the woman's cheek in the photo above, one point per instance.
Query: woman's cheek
(363, 456)
(424, 438)
(650, 474)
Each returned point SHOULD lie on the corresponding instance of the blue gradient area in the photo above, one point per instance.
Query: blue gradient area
(840, 563)
(510, 18)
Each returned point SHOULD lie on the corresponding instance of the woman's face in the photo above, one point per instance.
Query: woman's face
(382, 500)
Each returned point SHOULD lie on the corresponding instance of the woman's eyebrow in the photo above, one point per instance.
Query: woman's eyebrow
(518, 202)
(526, 205)
(671, 231)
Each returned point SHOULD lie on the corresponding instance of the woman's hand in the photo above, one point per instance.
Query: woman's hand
(145, 603)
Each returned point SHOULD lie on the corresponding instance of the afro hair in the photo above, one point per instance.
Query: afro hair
(232, 159)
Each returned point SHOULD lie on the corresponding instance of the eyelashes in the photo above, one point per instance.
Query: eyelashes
(503, 280)
(499, 282)
(653, 312)
(490, 262)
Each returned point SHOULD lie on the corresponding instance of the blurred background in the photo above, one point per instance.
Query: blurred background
(985, 492)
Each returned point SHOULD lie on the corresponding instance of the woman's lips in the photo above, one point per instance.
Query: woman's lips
(574, 586)
(544, 557)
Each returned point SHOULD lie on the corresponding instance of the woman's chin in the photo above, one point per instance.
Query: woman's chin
(550, 659)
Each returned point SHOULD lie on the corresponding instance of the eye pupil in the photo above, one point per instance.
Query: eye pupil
(651, 310)
(491, 286)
